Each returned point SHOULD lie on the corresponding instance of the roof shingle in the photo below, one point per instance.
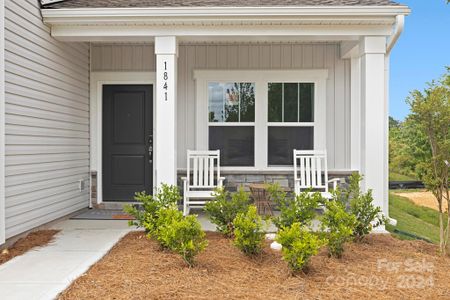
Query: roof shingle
(213, 3)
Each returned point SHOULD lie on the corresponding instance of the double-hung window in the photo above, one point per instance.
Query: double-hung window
(231, 122)
(257, 118)
(290, 120)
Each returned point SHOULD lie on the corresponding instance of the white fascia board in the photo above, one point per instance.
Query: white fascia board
(137, 32)
(229, 11)
(103, 24)
(217, 15)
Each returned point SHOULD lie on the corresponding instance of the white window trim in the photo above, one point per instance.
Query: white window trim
(261, 78)
(98, 79)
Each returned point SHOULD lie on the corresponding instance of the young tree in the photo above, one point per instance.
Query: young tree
(430, 110)
(408, 146)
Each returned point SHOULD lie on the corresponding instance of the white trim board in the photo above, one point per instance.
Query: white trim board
(145, 33)
(108, 24)
(260, 78)
(98, 79)
(317, 12)
(2, 123)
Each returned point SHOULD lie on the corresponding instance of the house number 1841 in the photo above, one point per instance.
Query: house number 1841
(165, 77)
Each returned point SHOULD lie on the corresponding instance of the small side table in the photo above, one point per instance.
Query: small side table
(262, 198)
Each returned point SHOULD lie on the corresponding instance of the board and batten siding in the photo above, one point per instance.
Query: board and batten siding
(192, 57)
(47, 121)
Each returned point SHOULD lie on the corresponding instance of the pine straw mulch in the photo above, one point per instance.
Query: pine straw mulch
(34, 239)
(381, 267)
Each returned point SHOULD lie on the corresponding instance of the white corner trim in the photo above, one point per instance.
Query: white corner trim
(97, 80)
(2, 124)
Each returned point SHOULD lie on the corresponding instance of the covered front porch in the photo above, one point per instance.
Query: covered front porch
(254, 83)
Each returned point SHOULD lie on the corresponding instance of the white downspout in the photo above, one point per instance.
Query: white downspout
(399, 25)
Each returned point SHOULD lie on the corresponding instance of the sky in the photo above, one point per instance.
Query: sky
(421, 53)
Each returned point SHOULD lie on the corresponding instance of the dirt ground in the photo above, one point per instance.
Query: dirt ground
(381, 267)
(32, 240)
(422, 198)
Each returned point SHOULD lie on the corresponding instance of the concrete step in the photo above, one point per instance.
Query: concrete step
(113, 205)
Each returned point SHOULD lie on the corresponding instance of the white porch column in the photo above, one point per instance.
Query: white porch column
(166, 50)
(373, 116)
(355, 113)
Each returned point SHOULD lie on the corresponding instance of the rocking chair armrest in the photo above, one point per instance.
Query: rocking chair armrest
(220, 181)
(185, 184)
(335, 182)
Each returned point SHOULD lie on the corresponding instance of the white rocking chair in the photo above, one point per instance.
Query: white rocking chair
(205, 178)
(308, 168)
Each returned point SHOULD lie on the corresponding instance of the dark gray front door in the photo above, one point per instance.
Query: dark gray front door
(127, 136)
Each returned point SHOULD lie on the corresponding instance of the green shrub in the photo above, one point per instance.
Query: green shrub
(165, 197)
(248, 231)
(301, 209)
(149, 207)
(182, 235)
(299, 245)
(164, 217)
(224, 209)
(361, 206)
(163, 221)
(337, 227)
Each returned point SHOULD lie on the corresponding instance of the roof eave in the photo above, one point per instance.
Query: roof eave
(308, 11)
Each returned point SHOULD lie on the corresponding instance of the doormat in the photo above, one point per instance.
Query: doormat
(102, 214)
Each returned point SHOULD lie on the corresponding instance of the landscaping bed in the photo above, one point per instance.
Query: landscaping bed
(380, 267)
(34, 239)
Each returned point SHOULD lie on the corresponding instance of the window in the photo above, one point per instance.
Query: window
(290, 120)
(231, 116)
(257, 117)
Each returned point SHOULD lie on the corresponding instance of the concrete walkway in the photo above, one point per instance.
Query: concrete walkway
(43, 273)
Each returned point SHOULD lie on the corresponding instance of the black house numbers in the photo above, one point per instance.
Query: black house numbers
(165, 77)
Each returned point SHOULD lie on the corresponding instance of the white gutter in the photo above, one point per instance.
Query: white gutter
(399, 25)
(311, 11)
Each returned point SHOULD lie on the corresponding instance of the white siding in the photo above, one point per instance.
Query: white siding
(244, 56)
(47, 120)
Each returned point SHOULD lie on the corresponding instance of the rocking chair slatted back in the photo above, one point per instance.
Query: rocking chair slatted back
(205, 167)
(309, 165)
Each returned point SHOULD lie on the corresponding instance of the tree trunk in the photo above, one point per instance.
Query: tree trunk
(447, 234)
(441, 233)
(448, 222)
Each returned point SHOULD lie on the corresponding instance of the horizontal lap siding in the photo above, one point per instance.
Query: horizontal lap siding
(250, 57)
(47, 121)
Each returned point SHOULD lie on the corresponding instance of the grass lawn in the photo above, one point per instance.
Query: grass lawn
(400, 177)
(418, 220)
